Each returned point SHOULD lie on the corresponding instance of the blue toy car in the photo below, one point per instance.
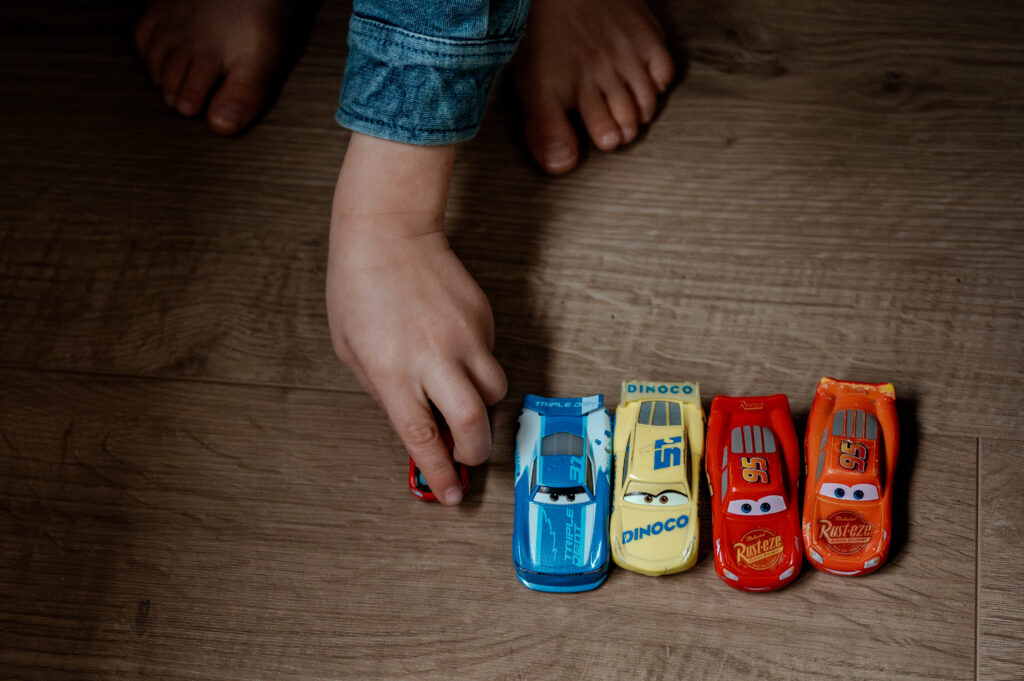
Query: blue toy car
(563, 493)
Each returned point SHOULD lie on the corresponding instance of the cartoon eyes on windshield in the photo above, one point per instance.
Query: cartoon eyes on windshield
(665, 498)
(763, 506)
(862, 492)
(561, 498)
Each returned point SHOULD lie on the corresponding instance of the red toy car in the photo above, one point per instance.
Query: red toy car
(852, 446)
(753, 463)
(418, 486)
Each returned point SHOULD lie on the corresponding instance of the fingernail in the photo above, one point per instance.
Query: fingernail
(609, 139)
(452, 495)
(558, 156)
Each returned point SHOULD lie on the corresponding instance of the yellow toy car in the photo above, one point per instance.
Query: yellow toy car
(658, 444)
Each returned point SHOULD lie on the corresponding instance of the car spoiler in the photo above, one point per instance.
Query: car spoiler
(775, 406)
(563, 406)
(687, 391)
(876, 391)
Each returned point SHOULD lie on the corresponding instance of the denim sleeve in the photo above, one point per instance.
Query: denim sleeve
(419, 71)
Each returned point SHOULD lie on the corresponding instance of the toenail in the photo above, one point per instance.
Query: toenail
(558, 156)
(169, 99)
(226, 121)
(628, 133)
(187, 108)
(609, 139)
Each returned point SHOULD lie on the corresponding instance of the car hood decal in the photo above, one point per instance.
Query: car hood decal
(759, 542)
(656, 535)
(562, 536)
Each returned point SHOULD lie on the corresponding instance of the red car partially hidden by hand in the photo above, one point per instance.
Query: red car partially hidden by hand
(418, 486)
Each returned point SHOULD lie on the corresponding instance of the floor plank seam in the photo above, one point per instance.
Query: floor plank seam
(179, 379)
(977, 561)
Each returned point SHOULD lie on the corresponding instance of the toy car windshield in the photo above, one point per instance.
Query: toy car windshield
(562, 495)
(762, 506)
(666, 497)
(659, 413)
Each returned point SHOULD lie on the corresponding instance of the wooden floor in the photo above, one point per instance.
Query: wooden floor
(192, 487)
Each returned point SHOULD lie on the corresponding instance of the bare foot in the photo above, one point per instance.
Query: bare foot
(224, 52)
(607, 60)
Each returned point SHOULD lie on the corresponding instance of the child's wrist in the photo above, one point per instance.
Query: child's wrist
(399, 188)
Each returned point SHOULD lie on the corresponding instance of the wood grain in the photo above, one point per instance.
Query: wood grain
(821, 223)
(169, 529)
(192, 487)
(1000, 556)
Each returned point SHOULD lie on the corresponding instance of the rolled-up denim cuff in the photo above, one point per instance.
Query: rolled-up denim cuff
(414, 88)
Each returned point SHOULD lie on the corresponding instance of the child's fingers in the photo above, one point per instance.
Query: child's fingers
(488, 377)
(459, 401)
(415, 425)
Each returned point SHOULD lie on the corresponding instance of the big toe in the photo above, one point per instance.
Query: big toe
(550, 136)
(239, 99)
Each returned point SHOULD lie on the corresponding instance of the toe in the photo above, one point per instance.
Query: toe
(662, 69)
(646, 98)
(239, 99)
(197, 84)
(651, 50)
(550, 136)
(172, 73)
(144, 32)
(156, 52)
(598, 119)
(623, 110)
(645, 92)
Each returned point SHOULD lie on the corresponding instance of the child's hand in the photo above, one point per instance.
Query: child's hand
(405, 315)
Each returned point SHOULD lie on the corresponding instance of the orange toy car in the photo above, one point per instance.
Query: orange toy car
(752, 457)
(852, 445)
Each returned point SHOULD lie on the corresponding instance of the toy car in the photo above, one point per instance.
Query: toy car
(852, 446)
(418, 485)
(658, 444)
(562, 493)
(753, 465)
